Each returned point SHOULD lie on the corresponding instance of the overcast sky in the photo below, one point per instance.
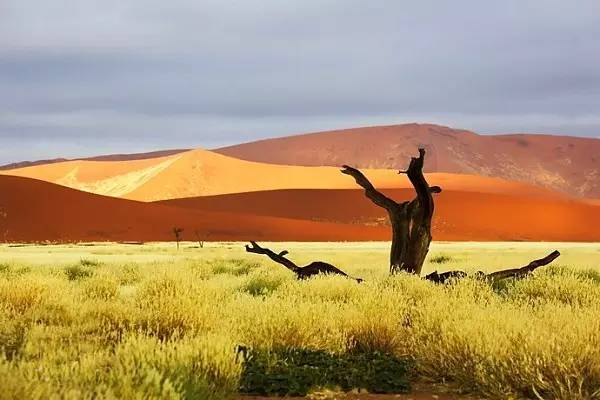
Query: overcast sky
(84, 77)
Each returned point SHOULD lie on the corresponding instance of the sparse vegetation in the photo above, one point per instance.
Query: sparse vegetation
(440, 259)
(153, 322)
(201, 238)
(78, 271)
(177, 232)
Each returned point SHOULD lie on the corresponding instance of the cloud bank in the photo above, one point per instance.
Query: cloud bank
(91, 77)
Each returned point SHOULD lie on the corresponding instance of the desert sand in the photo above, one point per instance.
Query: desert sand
(202, 173)
(41, 211)
(33, 210)
(459, 215)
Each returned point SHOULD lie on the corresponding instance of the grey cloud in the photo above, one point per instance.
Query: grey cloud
(215, 72)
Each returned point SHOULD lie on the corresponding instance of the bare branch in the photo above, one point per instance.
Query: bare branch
(373, 194)
(498, 275)
(312, 269)
(524, 271)
(277, 257)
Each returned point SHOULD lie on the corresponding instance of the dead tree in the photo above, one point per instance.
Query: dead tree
(200, 239)
(498, 275)
(312, 269)
(177, 232)
(410, 220)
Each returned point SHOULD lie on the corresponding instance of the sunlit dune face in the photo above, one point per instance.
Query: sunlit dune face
(200, 173)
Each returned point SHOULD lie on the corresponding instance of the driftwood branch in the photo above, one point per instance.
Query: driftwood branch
(312, 269)
(498, 275)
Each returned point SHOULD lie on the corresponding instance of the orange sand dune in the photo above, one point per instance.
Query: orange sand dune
(40, 211)
(459, 215)
(200, 173)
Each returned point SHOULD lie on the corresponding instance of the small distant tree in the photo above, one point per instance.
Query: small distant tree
(200, 239)
(177, 232)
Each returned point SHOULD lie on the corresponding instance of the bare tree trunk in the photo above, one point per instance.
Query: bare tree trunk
(410, 220)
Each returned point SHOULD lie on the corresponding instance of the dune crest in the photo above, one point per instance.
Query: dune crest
(202, 173)
(561, 163)
(118, 185)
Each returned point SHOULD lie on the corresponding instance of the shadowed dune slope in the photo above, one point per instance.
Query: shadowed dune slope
(563, 163)
(459, 215)
(32, 210)
(201, 173)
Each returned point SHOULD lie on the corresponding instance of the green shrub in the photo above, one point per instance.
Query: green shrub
(295, 372)
(89, 263)
(13, 335)
(5, 268)
(233, 266)
(77, 272)
(441, 259)
(262, 284)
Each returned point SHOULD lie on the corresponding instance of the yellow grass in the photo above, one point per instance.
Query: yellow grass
(125, 321)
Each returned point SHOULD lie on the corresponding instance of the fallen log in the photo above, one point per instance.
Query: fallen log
(498, 275)
(312, 269)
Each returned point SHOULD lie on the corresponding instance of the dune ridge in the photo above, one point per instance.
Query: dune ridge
(562, 163)
(201, 173)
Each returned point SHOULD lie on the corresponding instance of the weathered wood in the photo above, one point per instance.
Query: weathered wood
(312, 269)
(498, 275)
(410, 220)
(526, 270)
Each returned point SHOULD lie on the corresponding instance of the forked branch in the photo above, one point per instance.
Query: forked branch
(416, 177)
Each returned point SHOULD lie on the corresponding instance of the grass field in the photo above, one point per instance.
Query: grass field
(127, 321)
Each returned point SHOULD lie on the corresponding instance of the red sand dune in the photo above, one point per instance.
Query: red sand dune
(459, 215)
(41, 211)
(200, 173)
(563, 163)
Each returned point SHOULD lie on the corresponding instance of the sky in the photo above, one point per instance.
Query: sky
(85, 77)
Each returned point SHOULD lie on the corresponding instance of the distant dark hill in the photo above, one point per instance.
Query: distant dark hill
(564, 163)
(110, 157)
